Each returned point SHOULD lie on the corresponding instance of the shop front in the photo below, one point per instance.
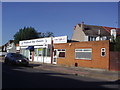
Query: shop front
(42, 54)
(38, 50)
(42, 49)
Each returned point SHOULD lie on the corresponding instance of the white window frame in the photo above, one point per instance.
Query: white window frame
(103, 50)
(84, 50)
(61, 50)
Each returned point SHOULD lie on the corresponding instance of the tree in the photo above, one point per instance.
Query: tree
(47, 34)
(30, 33)
(115, 44)
(25, 34)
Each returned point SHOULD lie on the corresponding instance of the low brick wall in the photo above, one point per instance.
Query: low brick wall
(114, 61)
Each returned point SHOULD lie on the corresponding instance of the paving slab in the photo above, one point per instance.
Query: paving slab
(87, 72)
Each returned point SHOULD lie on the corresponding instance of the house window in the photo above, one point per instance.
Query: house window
(85, 54)
(104, 38)
(61, 53)
(103, 52)
(90, 38)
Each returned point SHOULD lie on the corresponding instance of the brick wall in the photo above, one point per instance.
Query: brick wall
(114, 61)
(97, 60)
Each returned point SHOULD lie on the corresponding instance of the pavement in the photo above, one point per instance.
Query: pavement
(79, 71)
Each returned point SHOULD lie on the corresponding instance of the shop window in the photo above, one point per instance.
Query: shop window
(36, 52)
(103, 52)
(40, 52)
(85, 54)
(61, 53)
(48, 52)
(25, 52)
(44, 52)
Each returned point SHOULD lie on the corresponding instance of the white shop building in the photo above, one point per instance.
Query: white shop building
(40, 50)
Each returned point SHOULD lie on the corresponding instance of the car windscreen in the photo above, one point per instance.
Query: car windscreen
(18, 56)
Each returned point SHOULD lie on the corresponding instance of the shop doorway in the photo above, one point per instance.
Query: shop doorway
(42, 55)
(38, 55)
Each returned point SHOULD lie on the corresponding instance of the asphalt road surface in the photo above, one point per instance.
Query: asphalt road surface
(27, 77)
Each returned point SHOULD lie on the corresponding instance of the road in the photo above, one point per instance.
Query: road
(27, 77)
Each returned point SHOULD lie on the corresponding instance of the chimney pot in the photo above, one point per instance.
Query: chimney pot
(82, 22)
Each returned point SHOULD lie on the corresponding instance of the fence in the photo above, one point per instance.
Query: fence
(114, 61)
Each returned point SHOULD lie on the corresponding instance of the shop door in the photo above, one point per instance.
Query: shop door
(40, 55)
(55, 56)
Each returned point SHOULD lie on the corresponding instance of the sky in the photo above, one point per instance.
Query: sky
(57, 17)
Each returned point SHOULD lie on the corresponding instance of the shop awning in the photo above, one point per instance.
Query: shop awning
(30, 47)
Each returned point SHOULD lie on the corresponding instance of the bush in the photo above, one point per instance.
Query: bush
(115, 45)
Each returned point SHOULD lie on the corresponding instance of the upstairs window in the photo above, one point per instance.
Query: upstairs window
(90, 38)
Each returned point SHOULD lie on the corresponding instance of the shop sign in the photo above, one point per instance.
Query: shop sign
(35, 42)
(61, 39)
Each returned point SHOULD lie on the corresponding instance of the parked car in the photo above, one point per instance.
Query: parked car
(15, 58)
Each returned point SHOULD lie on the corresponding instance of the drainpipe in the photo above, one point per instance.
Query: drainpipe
(109, 62)
(52, 51)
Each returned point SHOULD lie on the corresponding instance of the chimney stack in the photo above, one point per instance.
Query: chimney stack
(82, 25)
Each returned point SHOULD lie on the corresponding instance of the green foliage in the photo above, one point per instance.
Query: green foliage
(115, 44)
(47, 34)
(29, 33)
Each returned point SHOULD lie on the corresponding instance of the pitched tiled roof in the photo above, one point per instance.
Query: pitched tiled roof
(109, 28)
(92, 30)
